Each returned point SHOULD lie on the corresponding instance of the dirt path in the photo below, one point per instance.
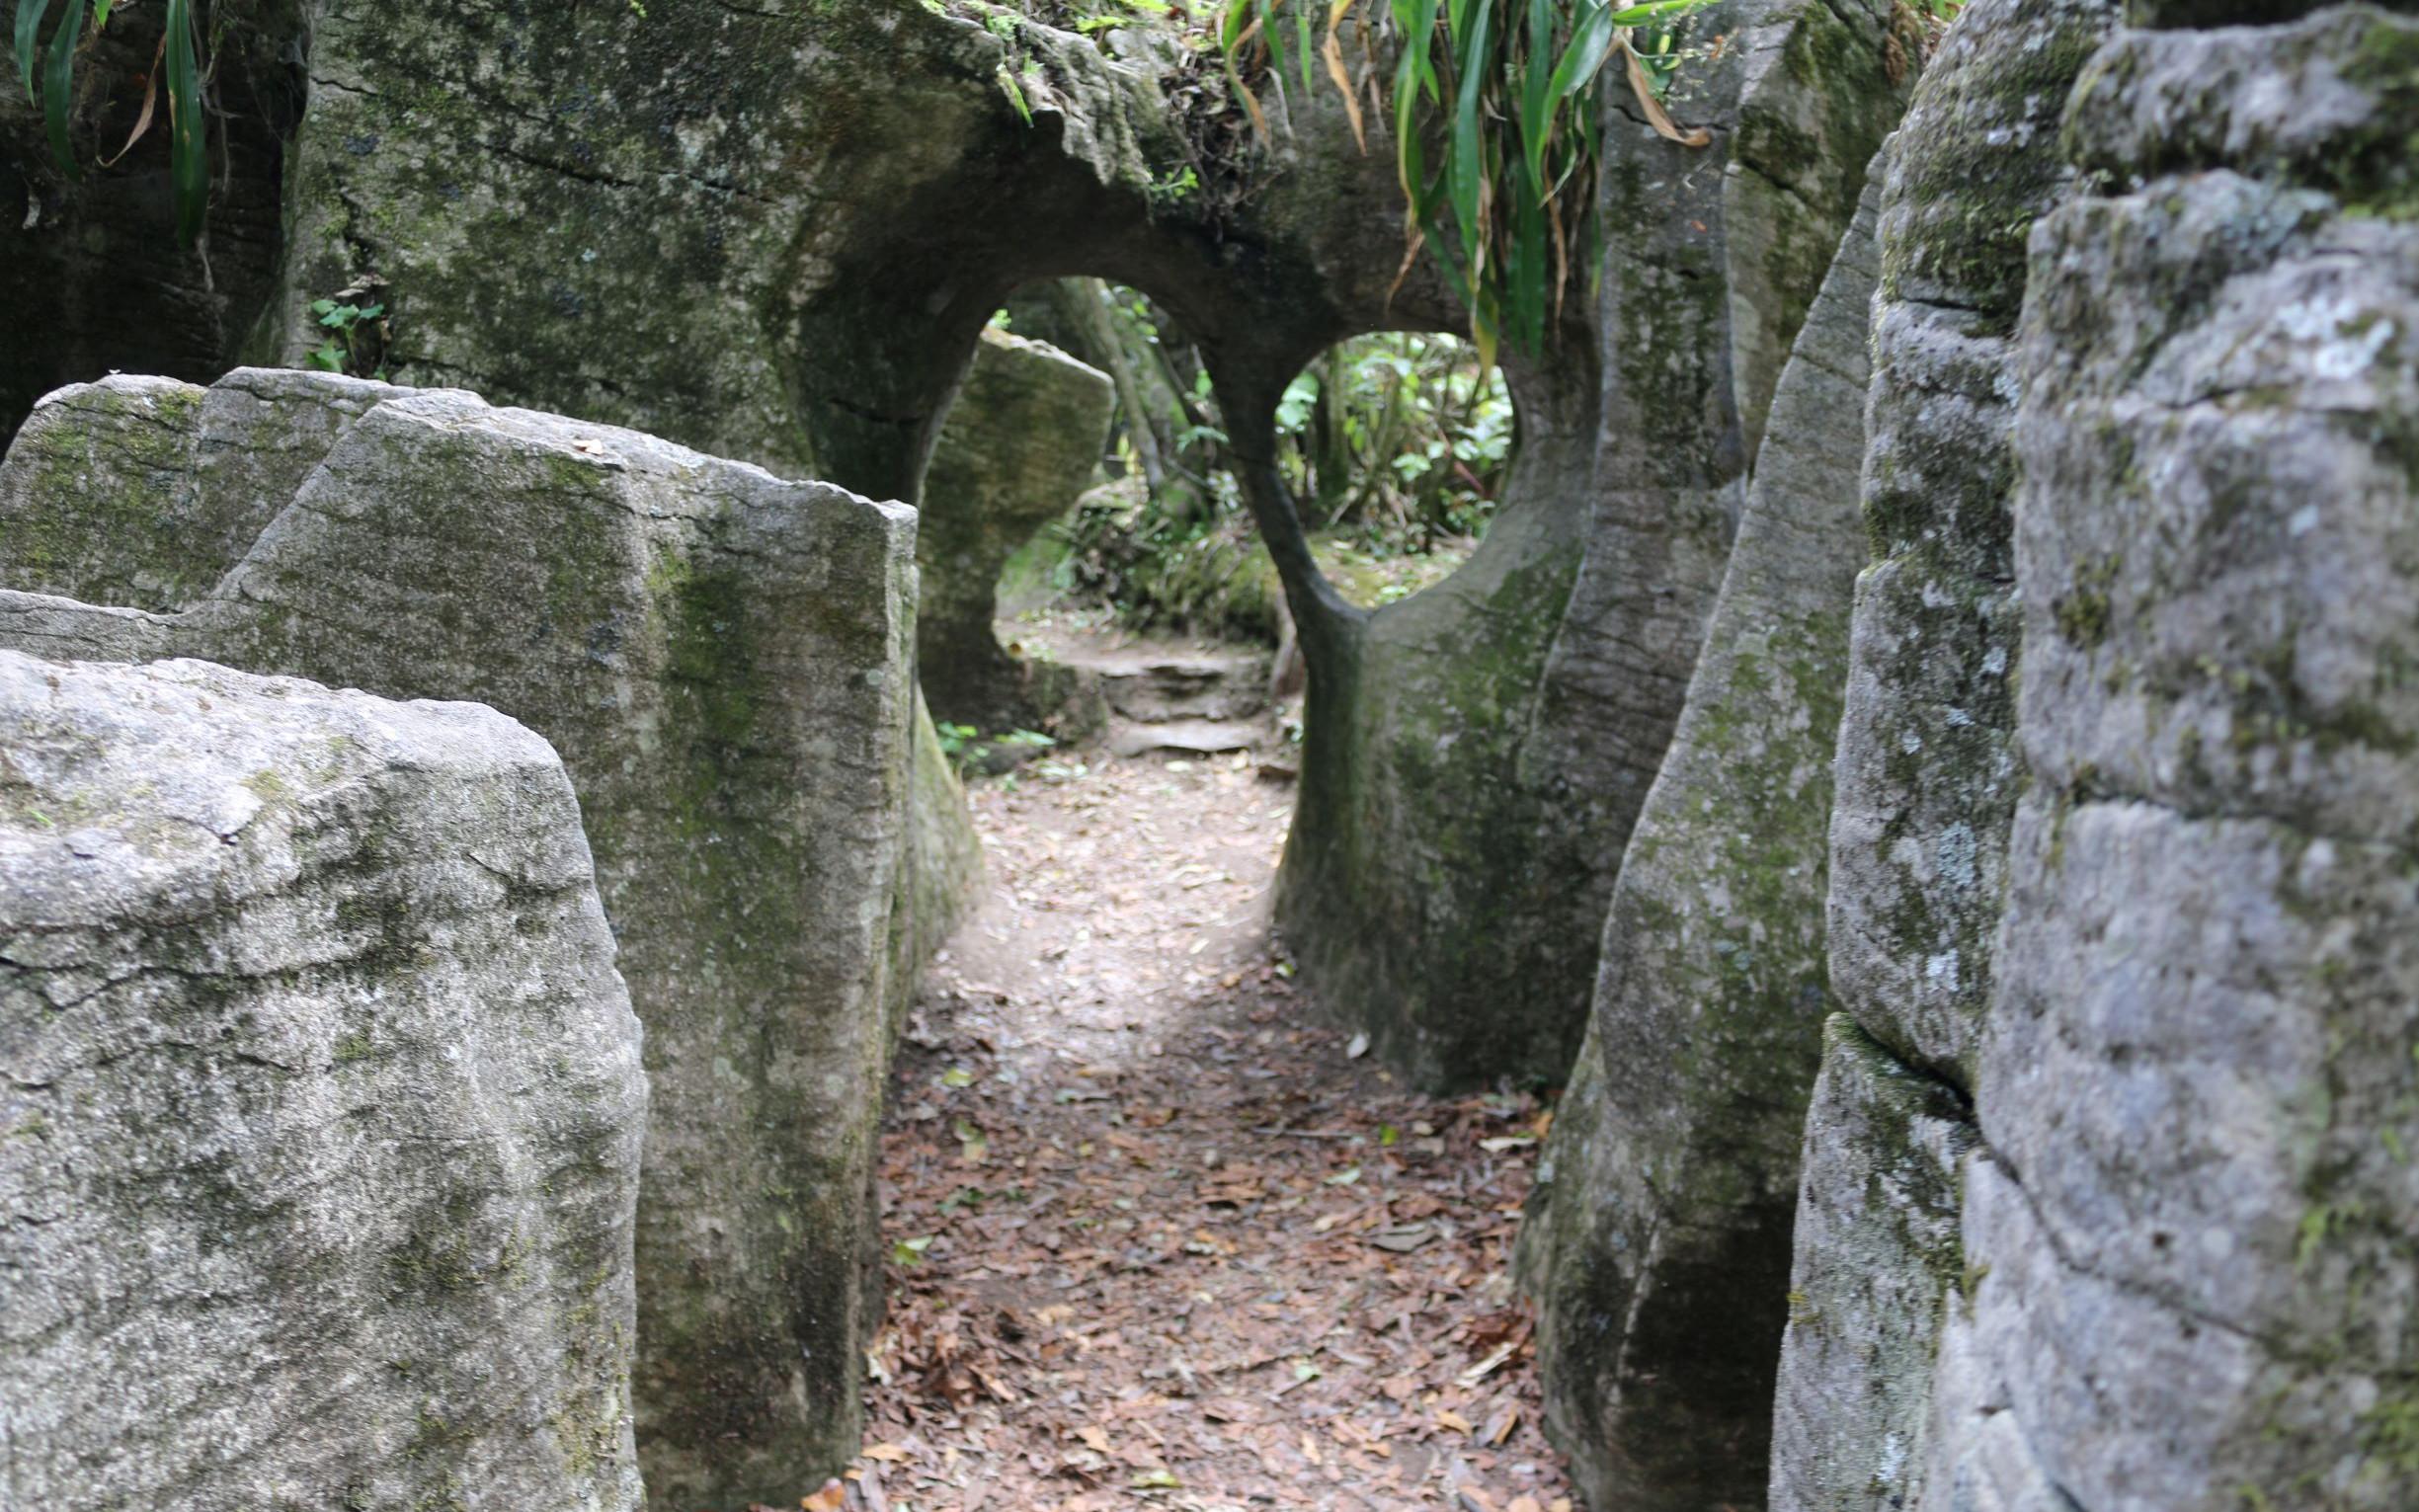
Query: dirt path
(1153, 1242)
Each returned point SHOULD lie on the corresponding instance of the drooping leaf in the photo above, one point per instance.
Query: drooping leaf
(1331, 54)
(29, 15)
(152, 103)
(188, 168)
(1536, 80)
(1464, 166)
(1493, 103)
(60, 86)
(1303, 48)
(1417, 18)
(1657, 116)
(1592, 41)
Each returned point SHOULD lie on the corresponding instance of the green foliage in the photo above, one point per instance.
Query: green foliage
(180, 52)
(1402, 440)
(1507, 92)
(1174, 188)
(969, 748)
(187, 145)
(358, 334)
(1396, 447)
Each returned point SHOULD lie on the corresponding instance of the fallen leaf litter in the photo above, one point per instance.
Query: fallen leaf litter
(1153, 1239)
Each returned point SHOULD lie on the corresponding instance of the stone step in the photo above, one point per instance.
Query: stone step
(1158, 690)
(1201, 737)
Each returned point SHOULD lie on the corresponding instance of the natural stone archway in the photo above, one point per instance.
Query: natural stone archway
(319, 1132)
(778, 236)
(1021, 442)
(723, 660)
(845, 199)
(1464, 803)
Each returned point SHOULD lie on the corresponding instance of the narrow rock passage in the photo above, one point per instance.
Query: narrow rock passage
(1154, 1241)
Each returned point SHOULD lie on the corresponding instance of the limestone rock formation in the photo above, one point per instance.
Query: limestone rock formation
(1499, 731)
(319, 1132)
(939, 870)
(188, 477)
(2193, 1279)
(1876, 1250)
(1021, 442)
(2141, 1151)
(722, 659)
(775, 233)
(1658, 1242)
(1926, 774)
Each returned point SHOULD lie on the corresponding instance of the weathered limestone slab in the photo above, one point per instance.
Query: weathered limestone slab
(1876, 1250)
(942, 863)
(320, 1121)
(722, 659)
(189, 477)
(1023, 440)
(2196, 1287)
(2184, 1278)
(1927, 772)
(1659, 1252)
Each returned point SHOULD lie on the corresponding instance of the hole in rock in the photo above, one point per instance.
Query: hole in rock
(1089, 561)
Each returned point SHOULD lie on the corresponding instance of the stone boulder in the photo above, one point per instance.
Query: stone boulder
(1658, 1242)
(319, 1132)
(1021, 442)
(722, 657)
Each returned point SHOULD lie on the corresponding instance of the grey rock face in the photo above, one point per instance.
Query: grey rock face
(1506, 724)
(188, 476)
(1926, 773)
(2196, 1286)
(1927, 770)
(319, 1132)
(942, 862)
(1658, 1250)
(722, 659)
(2182, 1275)
(1022, 442)
(1876, 1250)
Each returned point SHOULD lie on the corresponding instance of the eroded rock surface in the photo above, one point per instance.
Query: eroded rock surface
(2194, 1285)
(1022, 442)
(1926, 773)
(320, 1122)
(2168, 1247)
(178, 480)
(1657, 1244)
(775, 231)
(1503, 726)
(722, 657)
